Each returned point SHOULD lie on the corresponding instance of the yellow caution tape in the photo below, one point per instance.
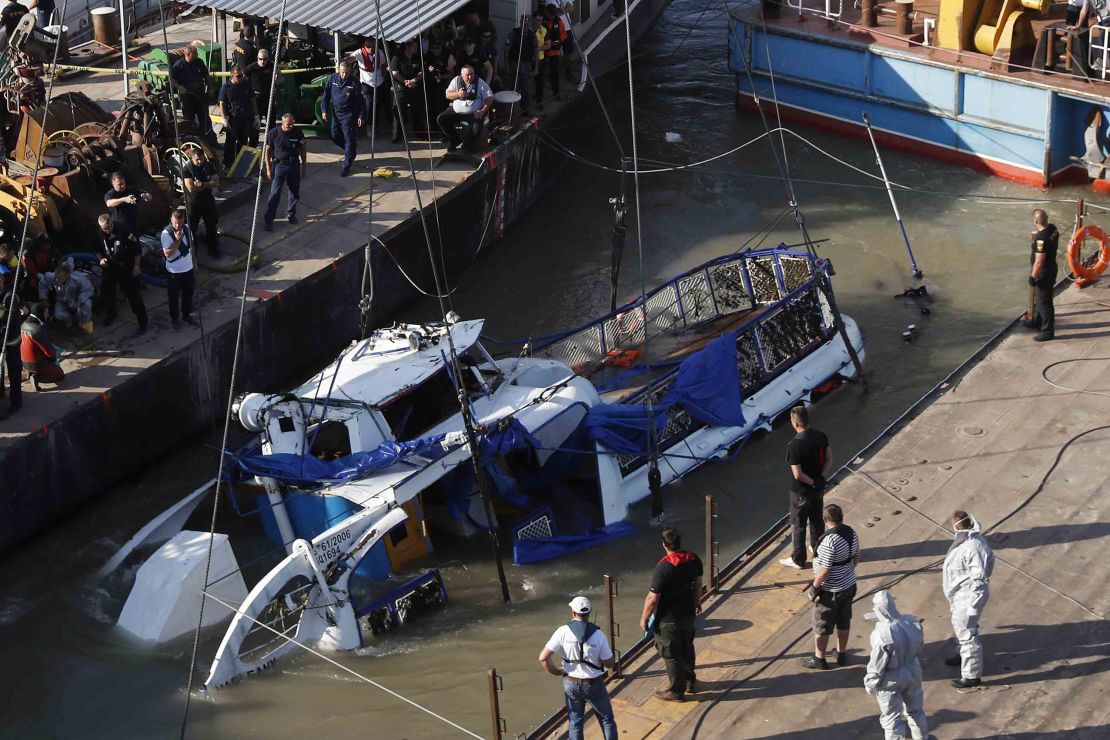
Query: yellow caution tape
(162, 73)
(385, 173)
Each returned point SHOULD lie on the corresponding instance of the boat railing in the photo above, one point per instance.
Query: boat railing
(724, 286)
(826, 13)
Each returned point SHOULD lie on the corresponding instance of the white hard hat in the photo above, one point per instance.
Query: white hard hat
(580, 605)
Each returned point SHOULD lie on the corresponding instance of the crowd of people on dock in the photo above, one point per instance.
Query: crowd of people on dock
(674, 599)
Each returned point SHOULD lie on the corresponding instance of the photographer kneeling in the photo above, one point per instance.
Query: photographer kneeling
(471, 99)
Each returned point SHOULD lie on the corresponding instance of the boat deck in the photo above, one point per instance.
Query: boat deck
(984, 442)
(848, 28)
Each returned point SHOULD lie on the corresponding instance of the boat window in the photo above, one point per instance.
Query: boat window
(331, 440)
(422, 407)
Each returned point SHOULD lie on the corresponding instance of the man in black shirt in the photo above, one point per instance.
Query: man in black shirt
(190, 75)
(119, 261)
(201, 180)
(122, 203)
(10, 16)
(286, 159)
(408, 84)
(810, 460)
(237, 106)
(674, 599)
(1042, 276)
(260, 73)
(244, 51)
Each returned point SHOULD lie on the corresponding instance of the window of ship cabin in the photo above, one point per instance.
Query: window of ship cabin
(331, 440)
(422, 406)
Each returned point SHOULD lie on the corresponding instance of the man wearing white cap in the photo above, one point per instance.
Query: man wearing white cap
(585, 654)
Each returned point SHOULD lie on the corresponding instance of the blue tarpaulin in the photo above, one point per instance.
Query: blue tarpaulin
(538, 550)
(513, 436)
(306, 469)
(707, 386)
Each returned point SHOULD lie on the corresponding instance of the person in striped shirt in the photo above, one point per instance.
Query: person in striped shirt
(834, 587)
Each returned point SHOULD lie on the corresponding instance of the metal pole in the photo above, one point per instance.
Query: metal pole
(497, 725)
(123, 46)
(614, 628)
(223, 48)
(335, 37)
(711, 545)
(890, 192)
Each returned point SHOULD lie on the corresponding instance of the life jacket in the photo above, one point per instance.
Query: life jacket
(849, 536)
(582, 632)
(556, 35)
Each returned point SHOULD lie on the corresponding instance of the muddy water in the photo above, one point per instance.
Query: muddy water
(69, 674)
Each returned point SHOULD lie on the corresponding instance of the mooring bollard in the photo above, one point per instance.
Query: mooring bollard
(497, 724)
(611, 591)
(712, 547)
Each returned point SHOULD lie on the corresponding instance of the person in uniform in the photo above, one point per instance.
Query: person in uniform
(11, 316)
(177, 247)
(190, 75)
(966, 583)
(119, 262)
(286, 159)
(674, 599)
(408, 84)
(1042, 276)
(69, 296)
(372, 68)
(244, 51)
(238, 108)
(585, 654)
(200, 180)
(344, 96)
(261, 76)
(810, 460)
(123, 203)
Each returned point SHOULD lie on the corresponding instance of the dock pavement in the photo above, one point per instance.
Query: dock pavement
(1029, 460)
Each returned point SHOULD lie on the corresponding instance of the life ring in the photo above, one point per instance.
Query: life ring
(1086, 275)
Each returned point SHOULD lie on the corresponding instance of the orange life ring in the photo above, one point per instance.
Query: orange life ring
(1086, 275)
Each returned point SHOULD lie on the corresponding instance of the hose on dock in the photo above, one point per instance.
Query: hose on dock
(238, 264)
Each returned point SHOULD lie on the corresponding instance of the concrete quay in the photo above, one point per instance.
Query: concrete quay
(1029, 460)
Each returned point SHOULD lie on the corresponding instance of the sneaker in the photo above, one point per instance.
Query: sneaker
(1044, 337)
(268, 225)
(789, 563)
(954, 660)
(668, 696)
(967, 683)
(812, 661)
(841, 658)
(292, 218)
(190, 320)
(175, 325)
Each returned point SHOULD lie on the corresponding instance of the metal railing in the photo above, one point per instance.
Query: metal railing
(826, 13)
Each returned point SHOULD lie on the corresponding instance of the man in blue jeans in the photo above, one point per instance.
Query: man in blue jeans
(585, 654)
(286, 159)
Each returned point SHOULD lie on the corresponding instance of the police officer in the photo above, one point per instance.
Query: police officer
(200, 180)
(1042, 276)
(343, 93)
(238, 108)
(244, 51)
(190, 75)
(286, 159)
(119, 262)
(261, 76)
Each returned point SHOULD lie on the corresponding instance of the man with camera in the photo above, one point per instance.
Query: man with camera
(177, 246)
(471, 99)
(810, 460)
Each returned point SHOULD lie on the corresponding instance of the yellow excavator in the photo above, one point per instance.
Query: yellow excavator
(997, 28)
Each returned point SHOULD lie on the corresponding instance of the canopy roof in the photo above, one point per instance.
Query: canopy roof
(401, 19)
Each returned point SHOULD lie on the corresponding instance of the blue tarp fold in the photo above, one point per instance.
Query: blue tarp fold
(707, 386)
(513, 436)
(306, 469)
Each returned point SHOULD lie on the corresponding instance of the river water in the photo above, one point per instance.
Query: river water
(69, 674)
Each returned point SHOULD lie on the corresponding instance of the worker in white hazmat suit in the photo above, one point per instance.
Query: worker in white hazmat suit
(967, 576)
(894, 671)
